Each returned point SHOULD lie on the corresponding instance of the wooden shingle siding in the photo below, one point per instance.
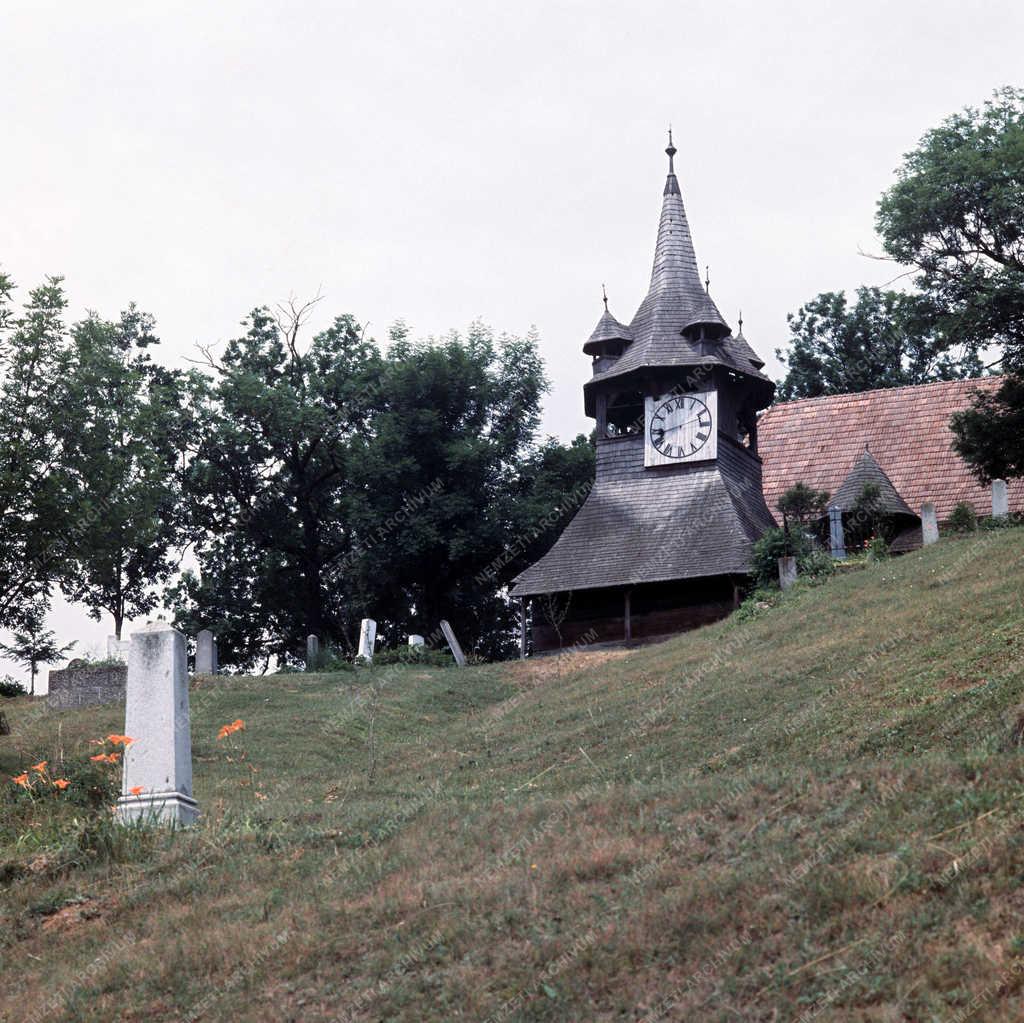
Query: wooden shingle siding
(642, 525)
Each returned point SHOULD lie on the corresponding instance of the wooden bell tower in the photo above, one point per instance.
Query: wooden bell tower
(663, 541)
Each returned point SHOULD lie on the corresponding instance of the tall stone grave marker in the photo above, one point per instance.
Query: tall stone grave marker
(787, 572)
(367, 637)
(206, 653)
(159, 761)
(312, 653)
(1000, 500)
(929, 524)
(453, 644)
(837, 541)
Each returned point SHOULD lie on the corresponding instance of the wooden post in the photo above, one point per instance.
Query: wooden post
(522, 628)
(627, 617)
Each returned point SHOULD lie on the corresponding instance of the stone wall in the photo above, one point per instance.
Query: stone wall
(86, 687)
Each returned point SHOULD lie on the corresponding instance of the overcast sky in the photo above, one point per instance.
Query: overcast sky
(440, 162)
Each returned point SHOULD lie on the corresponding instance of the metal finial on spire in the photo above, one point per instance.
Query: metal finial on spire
(707, 279)
(671, 151)
(604, 295)
(741, 321)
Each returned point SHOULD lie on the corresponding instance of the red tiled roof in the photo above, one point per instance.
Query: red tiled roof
(817, 440)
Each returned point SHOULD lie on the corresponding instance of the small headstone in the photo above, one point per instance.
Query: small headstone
(367, 637)
(206, 653)
(1000, 500)
(787, 572)
(837, 539)
(159, 761)
(929, 524)
(415, 640)
(117, 649)
(312, 653)
(453, 644)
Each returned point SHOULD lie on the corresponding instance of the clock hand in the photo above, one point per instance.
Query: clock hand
(681, 425)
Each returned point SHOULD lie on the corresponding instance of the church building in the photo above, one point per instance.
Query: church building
(663, 541)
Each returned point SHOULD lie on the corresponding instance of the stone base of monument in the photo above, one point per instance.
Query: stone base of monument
(174, 808)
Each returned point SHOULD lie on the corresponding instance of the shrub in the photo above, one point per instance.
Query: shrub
(333, 659)
(1003, 522)
(803, 504)
(868, 519)
(816, 564)
(9, 688)
(757, 602)
(420, 655)
(963, 518)
(877, 549)
(810, 559)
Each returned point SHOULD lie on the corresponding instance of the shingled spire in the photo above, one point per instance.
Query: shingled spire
(678, 323)
(675, 263)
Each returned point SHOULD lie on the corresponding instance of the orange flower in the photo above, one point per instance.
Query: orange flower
(237, 725)
(101, 757)
(61, 783)
(106, 758)
(120, 740)
(40, 767)
(136, 790)
(21, 779)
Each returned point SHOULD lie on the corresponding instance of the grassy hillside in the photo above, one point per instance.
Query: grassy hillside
(814, 814)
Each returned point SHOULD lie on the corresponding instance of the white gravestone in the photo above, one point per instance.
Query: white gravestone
(1000, 500)
(206, 653)
(929, 524)
(415, 640)
(312, 653)
(159, 761)
(367, 637)
(787, 572)
(117, 649)
(453, 644)
(837, 540)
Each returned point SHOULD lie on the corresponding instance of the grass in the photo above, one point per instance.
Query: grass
(811, 814)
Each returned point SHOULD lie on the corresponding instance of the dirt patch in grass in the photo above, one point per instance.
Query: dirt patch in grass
(537, 670)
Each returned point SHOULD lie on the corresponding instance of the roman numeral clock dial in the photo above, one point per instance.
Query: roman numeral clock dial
(681, 428)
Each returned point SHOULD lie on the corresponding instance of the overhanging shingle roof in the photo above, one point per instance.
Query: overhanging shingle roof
(867, 470)
(608, 329)
(652, 526)
(816, 440)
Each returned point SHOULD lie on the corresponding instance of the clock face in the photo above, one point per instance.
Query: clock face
(681, 426)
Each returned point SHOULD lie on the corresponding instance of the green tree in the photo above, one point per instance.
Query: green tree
(34, 505)
(884, 339)
(270, 486)
(334, 482)
(33, 644)
(442, 471)
(125, 429)
(956, 215)
(803, 504)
